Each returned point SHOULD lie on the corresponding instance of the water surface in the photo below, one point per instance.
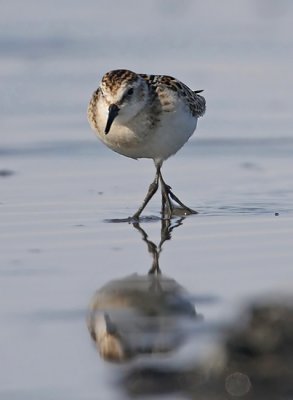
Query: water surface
(59, 185)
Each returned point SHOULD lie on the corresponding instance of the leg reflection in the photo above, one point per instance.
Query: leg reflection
(167, 226)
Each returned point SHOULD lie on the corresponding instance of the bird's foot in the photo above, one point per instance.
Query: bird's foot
(184, 210)
(169, 209)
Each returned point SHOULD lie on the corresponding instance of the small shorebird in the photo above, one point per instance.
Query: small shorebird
(146, 116)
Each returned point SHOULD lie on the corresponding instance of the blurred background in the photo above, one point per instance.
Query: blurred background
(59, 186)
(54, 53)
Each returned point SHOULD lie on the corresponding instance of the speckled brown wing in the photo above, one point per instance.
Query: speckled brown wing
(195, 102)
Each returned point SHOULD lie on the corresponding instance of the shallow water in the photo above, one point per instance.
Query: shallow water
(57, 250)
(60, 186)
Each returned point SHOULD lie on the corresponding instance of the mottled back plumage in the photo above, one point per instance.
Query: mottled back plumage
(195, 102)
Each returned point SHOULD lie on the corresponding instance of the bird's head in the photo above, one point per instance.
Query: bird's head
(125, 94)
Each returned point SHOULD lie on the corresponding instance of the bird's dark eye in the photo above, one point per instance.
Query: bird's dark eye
(130, 92)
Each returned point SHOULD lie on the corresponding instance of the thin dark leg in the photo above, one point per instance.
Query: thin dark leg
(152, 190)
(167, 194)
(167, 206)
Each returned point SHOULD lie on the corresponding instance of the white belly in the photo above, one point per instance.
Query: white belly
(171, 135)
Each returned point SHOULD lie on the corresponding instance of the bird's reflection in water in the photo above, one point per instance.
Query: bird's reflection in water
(146, 321)
(142, 314)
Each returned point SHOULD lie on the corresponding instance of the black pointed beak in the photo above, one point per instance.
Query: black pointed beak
(110, 326)
(113, 112)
